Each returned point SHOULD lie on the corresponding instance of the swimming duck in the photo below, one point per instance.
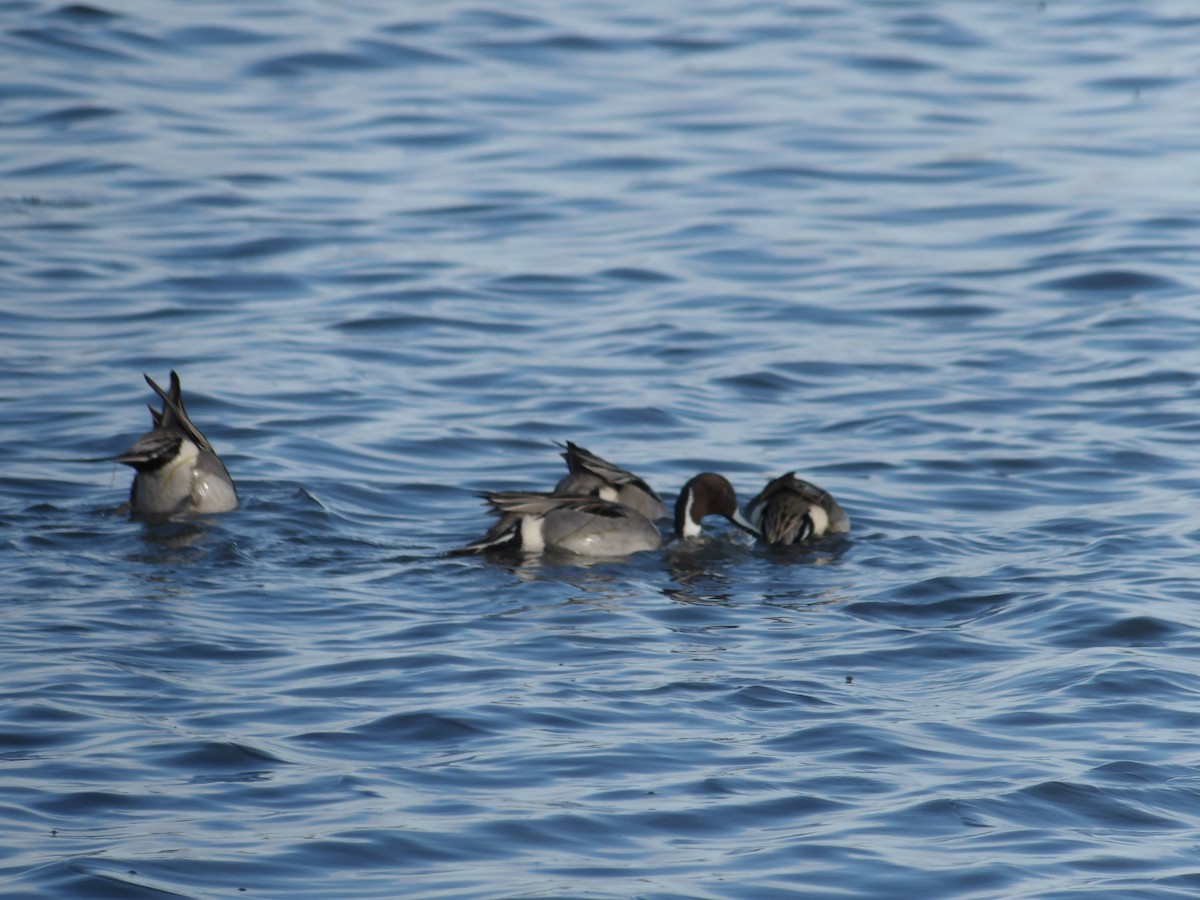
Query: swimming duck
(534, 522)
(790, 510)
(177, 471)
(596, 477)
(704, 495)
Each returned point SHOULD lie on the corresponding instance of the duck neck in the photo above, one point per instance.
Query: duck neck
(685, 525)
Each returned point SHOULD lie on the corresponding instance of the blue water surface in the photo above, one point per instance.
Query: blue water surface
(939, 258)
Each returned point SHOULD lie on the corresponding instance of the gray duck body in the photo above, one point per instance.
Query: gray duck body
(177, 471)
(534, 522)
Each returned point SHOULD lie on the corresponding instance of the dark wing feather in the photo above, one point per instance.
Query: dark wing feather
(505, 534)
(532, 503)
(152, 450)
(787, 520)
(173, 414)
(580, 460)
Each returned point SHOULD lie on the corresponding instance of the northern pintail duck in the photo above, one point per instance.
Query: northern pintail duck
(177, 471)
(707, 494)
(533, 522)
(592, 526)
(596, 477)
(790, 511)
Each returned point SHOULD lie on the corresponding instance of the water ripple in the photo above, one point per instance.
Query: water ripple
(936, 259)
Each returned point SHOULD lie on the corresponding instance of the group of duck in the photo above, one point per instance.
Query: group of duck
(597, 510)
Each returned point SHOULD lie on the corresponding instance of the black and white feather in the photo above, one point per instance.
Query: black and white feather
(177, 471)
(592, 476)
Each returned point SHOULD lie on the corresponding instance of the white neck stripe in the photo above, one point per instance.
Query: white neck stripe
(691, 528)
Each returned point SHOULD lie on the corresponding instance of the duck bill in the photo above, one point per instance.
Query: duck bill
(740, 521)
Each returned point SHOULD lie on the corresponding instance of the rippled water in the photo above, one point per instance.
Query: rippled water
(938, 258)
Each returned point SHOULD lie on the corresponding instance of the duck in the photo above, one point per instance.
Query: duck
(705, 495)
(177, 472)
(533, 522)
(790, 510)
(592, 476)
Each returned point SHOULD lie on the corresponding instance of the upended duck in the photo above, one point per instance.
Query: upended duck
(533, 522)
(177, 471)
(595, 477)
(790, 510)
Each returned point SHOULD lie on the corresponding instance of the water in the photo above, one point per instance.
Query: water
(937, 257)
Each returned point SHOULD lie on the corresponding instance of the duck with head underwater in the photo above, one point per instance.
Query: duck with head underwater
(592, 476)
(790, 510)
(177, 471)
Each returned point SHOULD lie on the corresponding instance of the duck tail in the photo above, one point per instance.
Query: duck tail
(504, 535)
